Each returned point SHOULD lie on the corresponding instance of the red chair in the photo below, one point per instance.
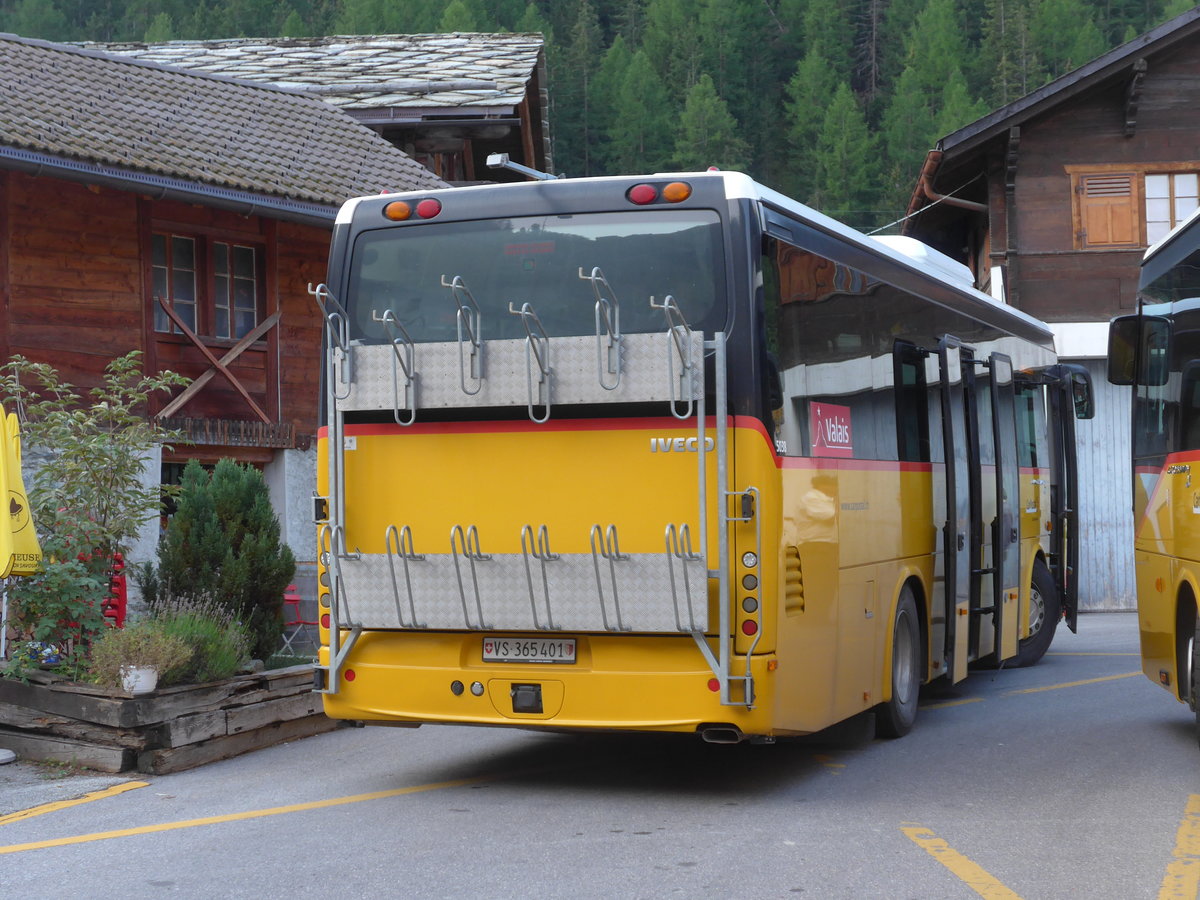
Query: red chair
(294, 624)
(114, 605)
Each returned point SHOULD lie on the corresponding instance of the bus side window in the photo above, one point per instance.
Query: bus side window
(1028, 396)
(912, 410)
(1191, 407)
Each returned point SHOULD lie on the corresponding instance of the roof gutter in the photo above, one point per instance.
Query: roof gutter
(160, 187)
(933, 159)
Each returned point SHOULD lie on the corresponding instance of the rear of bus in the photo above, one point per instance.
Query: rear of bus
(531, 513)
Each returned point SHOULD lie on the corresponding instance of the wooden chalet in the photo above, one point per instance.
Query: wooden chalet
(1052, 200)
(447, 100)
(184, 215)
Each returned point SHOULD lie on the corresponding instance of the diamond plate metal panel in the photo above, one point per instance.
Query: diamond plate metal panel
(648, 364)
(570, 593)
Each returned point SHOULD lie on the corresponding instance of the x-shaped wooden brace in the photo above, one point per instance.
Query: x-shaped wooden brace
(218, 365)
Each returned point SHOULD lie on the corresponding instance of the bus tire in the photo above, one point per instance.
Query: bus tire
(1194, 675)
(1045, 609)
(894, 718)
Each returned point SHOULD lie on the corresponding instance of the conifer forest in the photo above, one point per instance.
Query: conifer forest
(834, 102)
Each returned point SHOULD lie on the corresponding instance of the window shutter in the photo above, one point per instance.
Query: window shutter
(1109, 211)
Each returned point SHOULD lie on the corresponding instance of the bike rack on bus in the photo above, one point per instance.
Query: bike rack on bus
(608, 324)
(537, 349)
(470, 321)
(679, 337)
(679, 546)
(404, 550)
(605, 546)
(466, 544)
(405, 354)
(542, 553)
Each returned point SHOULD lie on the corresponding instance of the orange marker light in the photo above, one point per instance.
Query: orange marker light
(397, 211)
(677, 191)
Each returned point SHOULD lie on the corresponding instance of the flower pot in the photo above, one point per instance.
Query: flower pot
(139, 679)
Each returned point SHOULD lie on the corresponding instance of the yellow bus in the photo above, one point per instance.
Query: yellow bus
(675, 453)
(1157, 351)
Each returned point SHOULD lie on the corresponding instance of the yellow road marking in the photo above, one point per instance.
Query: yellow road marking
(237, 817)
(969, 873)
(66, 804)
(1071, 684)
(1183, 873)
(950, 703)
(828, 763)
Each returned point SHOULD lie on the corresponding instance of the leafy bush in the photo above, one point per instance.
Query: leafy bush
(219, 643)
(86, 497)
(142, 643)
(223, 545)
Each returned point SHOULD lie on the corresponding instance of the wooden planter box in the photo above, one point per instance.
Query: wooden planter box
(169, 730)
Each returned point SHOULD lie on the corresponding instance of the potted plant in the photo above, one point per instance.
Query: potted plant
(131, 658)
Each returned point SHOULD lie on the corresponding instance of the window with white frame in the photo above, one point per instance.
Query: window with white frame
(1170, 198)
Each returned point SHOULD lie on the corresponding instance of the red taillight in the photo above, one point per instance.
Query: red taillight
(749, 627)
(429, 208)
(325, 620)
(641, 194)
(348, 674)
(714, 685)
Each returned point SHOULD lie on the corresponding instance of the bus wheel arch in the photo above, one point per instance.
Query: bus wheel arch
(906, 658)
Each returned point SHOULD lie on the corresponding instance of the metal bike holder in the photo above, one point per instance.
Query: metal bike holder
(609, 344)
(537, 350)
(470, 322)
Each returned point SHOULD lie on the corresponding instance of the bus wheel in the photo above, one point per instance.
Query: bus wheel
(1194, 675)
(1044, 613)
(895, 718)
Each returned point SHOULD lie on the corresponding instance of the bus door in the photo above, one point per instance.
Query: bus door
(954, 357)
(1006, 546)
(1070, 397)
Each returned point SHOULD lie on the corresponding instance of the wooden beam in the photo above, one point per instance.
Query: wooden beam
(1012, 285)
(1133, 94)
(169, 308)
(233, 353)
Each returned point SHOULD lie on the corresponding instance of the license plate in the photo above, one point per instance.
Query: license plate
(500, 648)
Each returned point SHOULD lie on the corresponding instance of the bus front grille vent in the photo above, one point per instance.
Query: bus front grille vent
(793, 581)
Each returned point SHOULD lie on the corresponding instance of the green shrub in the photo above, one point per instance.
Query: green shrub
(223, 545)
(141, 643)
(219, 643)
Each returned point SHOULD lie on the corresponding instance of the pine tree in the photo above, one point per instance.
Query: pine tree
(809, 93)
(572, 69)
(457, 17)
(1007, 55)
(606, 103)
(846, 162)
(671, 42)
(161, 29)
(1055, 27)
(223, 546)
(640, 135)
(37, 19)
(708, 134)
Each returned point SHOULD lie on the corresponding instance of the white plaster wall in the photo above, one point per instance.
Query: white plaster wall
(291, 479)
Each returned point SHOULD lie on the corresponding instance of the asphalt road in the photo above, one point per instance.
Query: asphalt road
(1076, 778)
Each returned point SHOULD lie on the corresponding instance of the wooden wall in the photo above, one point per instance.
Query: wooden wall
(1058, 282)
(75, 283)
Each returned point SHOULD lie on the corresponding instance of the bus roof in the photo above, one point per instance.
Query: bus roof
(924, 261)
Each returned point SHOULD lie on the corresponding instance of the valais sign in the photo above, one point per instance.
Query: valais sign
(829, 426)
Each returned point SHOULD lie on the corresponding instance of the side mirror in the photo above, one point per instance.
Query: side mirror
(1075, 381)
(1122, 349)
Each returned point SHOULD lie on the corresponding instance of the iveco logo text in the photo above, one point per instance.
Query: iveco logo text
(679, 445)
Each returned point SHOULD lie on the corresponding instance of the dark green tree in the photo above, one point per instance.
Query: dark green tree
(573, 66)
(1065, 34)
(458, 17)
(641, 132)
(1010, 67)
(708, 134)
(223, 546)
(808, 94)
(37, 19)
(846, 162)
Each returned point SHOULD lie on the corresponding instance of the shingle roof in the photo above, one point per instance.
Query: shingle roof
(84, 107)
(368, 72)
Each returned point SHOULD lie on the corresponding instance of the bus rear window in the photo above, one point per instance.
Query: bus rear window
(537, 260)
